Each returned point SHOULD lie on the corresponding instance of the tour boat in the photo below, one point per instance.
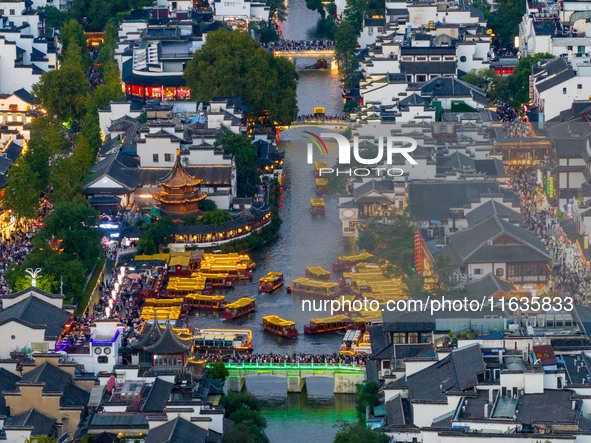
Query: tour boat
(313, 287)
(203, 302)
(327, 324)
(164, 308)
(278, 326)
(182, 286)
(240, 308)
(317, 206)
(273, 281)
(322, 186)
(318, 166)
(236, 265)
(317, 273)
(355, 342)
(217, 279)
(222, 340)
(346, 263)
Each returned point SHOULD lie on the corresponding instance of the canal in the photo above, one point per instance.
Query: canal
(303, 241)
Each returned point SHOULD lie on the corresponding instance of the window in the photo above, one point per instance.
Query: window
(155, 158)
(564, 90)
(167, 157)
(511, 271)
(421, 78)
(530, 270)
(581, 49)
(449, 58)
(399, 337)
(103, 359)
(436, 58)
(500, 272)
(569, 48)
(11, 12)
(413, 337)
(386, 364)
(477, 271)
(421, 58)
(406, 58)
(409, 78)
(579, 86)
(463, 58)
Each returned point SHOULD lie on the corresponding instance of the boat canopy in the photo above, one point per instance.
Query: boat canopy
(317, 202)
(205, 297)
(320, 165)
(314, 283)
(321, 181)
(271, 277)
(355, 258)
(163, 301)
(341, 318)
(277, 321)
(318, 270)
(240, 303)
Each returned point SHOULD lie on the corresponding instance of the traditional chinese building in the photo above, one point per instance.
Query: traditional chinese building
(162, 348)
(180, 192)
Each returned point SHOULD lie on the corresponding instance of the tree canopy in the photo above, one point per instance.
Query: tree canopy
(244, 410)
(359, 433)
(393, 242)
(231, 63)
(244, 152)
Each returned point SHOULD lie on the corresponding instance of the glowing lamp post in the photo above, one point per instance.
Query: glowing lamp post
(33, 275)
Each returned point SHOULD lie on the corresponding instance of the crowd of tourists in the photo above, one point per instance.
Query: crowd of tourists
(301, 45)
(302, 358)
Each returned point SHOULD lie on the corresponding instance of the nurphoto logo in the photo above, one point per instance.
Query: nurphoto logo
(387, 148)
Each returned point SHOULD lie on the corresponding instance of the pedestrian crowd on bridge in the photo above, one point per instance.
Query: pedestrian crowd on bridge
(294, 358)
(327, 118)
(301, 45)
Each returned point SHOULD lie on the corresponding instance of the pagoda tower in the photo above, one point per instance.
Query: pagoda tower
(180, 192)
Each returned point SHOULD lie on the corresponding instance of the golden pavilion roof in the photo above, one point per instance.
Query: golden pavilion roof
(179, 176)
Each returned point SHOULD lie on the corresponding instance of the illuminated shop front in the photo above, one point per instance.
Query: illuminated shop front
(153, 85)
(158, 92)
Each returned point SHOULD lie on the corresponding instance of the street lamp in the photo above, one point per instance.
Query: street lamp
(33, 275)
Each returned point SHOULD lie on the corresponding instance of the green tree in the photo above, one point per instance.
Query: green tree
(54, 18)
(392, 242)
(74, 223)
(359, 433)
(146, 245)
(62, 92)
(219, 372)
(22, 190)
(245, 414)
(444, 270)
(234, 400)
(244, 153)
(505, 20)
(46, 283)
(519, 80)
(345, 47)
(231, 63)
(41, 439)
(368, 396)
(215, 217)
(72, 32)
(207, 205)
(55, 266)
(245, 432)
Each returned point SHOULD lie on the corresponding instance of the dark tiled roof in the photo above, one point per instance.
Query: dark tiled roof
(37, 314)
(471, 245)
(41, 423)
(158, 396)
(491, 208)
(169, 343)
(555, 80)
(455, 373)
(572, 147)
(551, 407)
(431, 67)
(178, 430)
(53, 378)
(8, 382)
(452, 87)
(395, 321)
(74, 396)
(24, 95)
(432, 200)
(492, 167)
(487, 286)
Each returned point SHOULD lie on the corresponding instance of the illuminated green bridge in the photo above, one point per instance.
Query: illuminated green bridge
(345, 376)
